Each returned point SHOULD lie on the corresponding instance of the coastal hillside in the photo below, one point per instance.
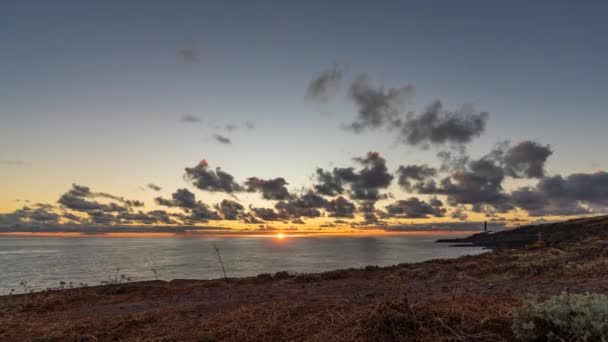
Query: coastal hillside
(551, 234)
(472, 298)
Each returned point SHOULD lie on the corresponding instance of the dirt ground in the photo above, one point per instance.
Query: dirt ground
(464, 299)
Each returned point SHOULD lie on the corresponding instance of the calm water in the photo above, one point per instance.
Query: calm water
(45, 261)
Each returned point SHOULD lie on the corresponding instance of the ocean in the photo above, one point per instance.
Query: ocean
(44, 262)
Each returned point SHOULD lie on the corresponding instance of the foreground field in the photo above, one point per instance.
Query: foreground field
(465, 299)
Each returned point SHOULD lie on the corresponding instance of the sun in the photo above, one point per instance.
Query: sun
(280, 236)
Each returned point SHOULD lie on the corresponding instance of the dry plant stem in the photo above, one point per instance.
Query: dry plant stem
(219, 256)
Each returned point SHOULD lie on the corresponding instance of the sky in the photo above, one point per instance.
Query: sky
(114, 96)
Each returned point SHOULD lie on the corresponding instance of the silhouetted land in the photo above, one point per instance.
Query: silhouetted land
(551, 234)
(466, 299)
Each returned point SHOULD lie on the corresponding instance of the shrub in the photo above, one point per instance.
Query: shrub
(566, 317)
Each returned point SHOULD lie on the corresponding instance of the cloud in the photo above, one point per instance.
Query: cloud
(35, 215)
(189, 55)
(331, 183)
(415, 208)
(418, 173)
(527, 160)
(364, 184)
(479, 185)
(79, 198)
(190, 118)
(182, 198)
(154, 187)
(266, 214)
(209, 180)
(203, 213)
(459, 213)
(134, 203)
(101, 217)
(230, 210)
(341, 207)
(576, 194)
(222, 139)
(271, 189)
(71, 216)
(377, 107)
(186, 200)
(325, 85)
(151, 217)
(435, 125)
(306, 205)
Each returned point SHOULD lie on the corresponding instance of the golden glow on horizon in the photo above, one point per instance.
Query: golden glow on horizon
(280, 236)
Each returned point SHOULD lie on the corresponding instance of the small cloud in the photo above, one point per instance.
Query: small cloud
(231, 127)
(190, 118)
(250, 125)
(222, 139)
(189, 55)
(325, 85)
(154, 187)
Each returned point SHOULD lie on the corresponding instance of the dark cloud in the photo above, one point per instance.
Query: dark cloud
(436, 126)
(251, 219)
(271, 189)
(181, 198)
(189, 55)
(453, 161)
(363, 185)
(266, 214)
(419, 173)
(331, 183)
(576, 194)
(151, 217)
(186, 200)
(101, 217)
(154, 187)
(203, 213)
(526, 160)
(325, 85)
(306, 205)
(222, 139)
(377, 107)
(230, 210)
(341, 207)
(37, 214)
(479, 185)
(190, 118)
(79, 198)
(134, 203)
(206, 179)
(459, 213)
(415, 208)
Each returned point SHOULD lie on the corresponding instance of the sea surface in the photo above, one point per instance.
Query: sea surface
(44, 262)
